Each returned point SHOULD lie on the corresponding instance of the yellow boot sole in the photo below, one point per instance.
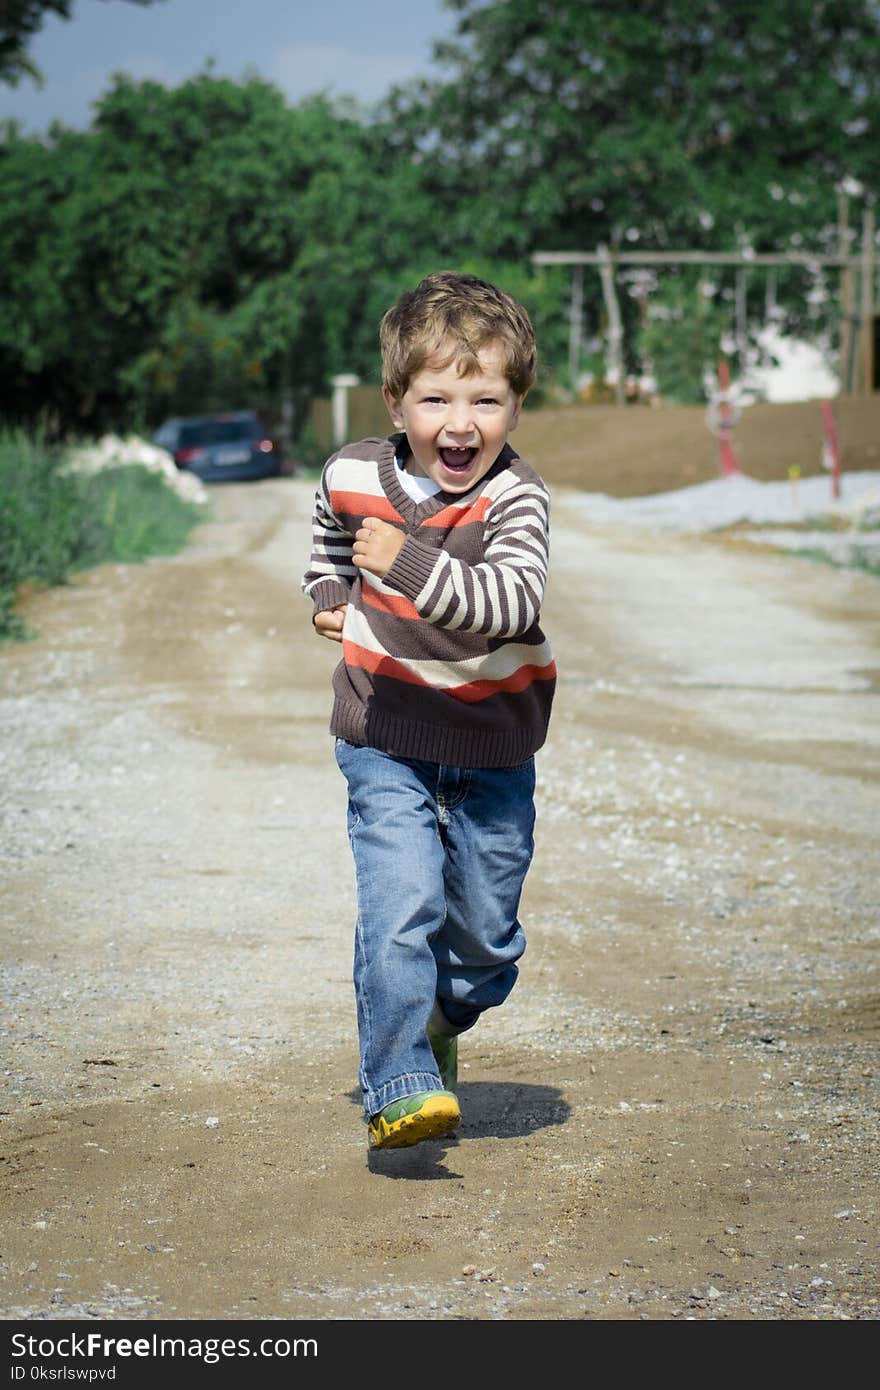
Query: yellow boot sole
(438, 1115)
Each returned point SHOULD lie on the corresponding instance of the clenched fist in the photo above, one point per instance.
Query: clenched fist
(376, 546)
(330, 622)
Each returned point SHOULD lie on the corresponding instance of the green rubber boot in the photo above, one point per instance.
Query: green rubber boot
(445, 1050)
(426, 1115)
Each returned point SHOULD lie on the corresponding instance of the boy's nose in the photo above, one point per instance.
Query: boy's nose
(460, 421)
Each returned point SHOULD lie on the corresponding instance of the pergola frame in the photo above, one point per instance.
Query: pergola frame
(607, 261)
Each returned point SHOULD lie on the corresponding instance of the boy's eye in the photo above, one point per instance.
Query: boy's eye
(441, 400)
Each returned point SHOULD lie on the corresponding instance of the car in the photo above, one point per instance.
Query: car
(228, 447)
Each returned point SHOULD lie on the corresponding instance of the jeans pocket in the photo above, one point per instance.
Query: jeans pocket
(520, 768)
(341, 750)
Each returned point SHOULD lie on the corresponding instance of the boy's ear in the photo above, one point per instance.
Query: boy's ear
(517, 409)
(394, 410)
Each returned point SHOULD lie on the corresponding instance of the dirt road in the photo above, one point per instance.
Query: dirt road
(676, 1113)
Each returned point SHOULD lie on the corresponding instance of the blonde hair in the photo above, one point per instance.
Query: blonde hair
(451, 317)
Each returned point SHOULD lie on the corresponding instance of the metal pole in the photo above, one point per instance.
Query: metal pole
(728, 466)
(339, 405)
(690, 258)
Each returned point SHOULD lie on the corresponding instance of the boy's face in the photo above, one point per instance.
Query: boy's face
(457, 425)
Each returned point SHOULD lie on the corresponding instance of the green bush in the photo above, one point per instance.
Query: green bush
(682, 339)
(136, 514)
(54, 522)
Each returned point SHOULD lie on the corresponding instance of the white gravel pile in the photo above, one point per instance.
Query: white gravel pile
(112, 451)
(738, 500)
(729, 501)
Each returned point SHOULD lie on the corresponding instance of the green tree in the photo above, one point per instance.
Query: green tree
(660, 121)
(681, 340)
(196, 245)
(563, 124)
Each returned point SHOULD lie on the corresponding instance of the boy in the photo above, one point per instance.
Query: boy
(429, 564)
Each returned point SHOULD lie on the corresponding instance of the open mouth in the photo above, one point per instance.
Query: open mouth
(457, 460)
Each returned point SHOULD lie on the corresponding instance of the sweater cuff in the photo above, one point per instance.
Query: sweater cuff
(328, 594)
(413, 567)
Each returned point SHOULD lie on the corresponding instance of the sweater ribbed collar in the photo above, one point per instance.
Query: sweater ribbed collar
(396, 446)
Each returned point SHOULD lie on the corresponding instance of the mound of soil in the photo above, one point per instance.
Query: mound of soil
(627, 451)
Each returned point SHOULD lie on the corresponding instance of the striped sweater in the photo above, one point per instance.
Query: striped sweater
(443, 659)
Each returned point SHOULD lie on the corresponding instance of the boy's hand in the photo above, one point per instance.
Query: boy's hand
(328, 623)
(376, 546)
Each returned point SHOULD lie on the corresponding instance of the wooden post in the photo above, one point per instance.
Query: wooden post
(615, 326)
(846, 297)
(575, 327)
(831, 452)
(868, 301)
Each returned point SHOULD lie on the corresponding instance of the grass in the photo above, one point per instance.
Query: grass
(859, 559)
(54, 522)
(863, 558)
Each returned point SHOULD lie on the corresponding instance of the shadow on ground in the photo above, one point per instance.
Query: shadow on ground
(490, 1110)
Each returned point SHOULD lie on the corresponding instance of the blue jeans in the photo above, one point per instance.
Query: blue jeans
(440, 856)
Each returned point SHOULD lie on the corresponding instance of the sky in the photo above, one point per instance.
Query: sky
(347, 47)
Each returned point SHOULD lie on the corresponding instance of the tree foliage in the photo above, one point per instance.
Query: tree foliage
(685, 124)
(211, 245)
(206, 246)
(680, 340)
(207, 223)
(692, 122)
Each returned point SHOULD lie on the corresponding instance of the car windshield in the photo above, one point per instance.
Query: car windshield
(216, 432)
